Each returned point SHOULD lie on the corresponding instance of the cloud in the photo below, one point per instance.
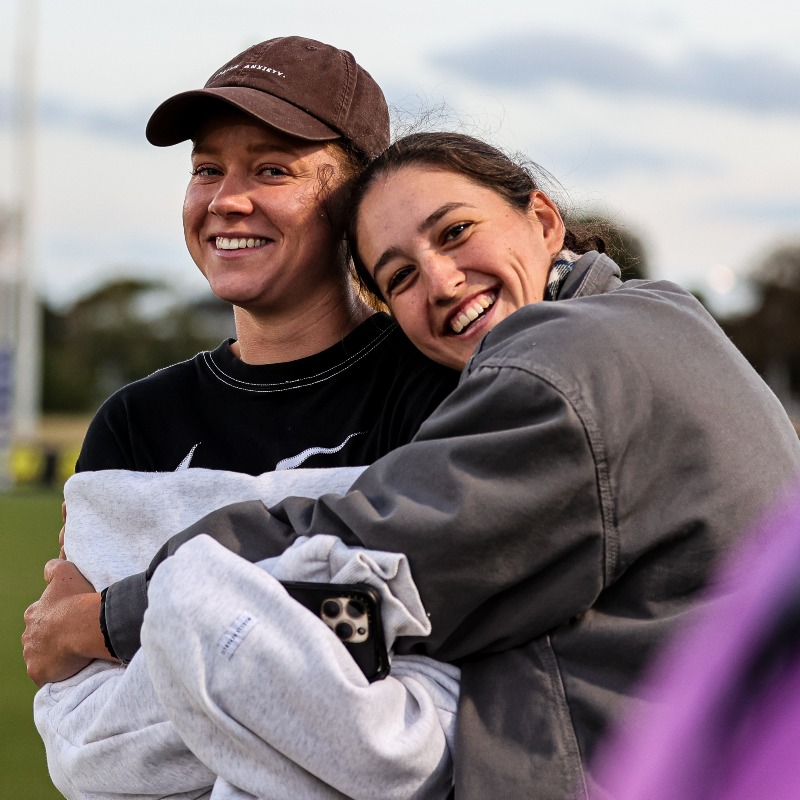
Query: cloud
(776, 211)
(55, 112)
(606, 159)
(753, 81)
(127, 125)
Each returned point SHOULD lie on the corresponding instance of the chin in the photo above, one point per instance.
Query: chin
(229, 297)
(231, 293)
(448, 358)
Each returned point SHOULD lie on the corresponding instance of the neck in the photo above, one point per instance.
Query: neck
(271, 339)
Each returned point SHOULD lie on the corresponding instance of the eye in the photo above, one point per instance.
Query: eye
(453, 232)
(398, 278)
(205, 171)
(268, 171)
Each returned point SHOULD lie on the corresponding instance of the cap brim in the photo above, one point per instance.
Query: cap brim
(178, 118)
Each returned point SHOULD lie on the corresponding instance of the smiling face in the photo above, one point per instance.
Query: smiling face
(254, 219)
(451, 257)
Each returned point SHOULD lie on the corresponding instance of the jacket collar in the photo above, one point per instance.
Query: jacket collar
(593, 273)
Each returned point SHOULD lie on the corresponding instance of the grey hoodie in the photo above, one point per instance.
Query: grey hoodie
(113, 732)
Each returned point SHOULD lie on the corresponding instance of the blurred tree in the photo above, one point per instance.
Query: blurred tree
(770, 337)
(781, 267)
(614, 239)
(123, 331)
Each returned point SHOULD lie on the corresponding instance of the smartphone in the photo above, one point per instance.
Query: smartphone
(352, 612)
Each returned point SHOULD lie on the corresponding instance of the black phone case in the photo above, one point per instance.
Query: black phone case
(369, 648)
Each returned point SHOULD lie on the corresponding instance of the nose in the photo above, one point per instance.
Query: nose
(231, 197)
(442, 277)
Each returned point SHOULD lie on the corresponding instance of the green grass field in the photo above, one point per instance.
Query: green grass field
(29, 525)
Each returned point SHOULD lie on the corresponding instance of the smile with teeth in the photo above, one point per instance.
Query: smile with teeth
(468, 315)
(224, 243)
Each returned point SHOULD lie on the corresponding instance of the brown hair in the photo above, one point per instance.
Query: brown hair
(513, 180)
(335, 198)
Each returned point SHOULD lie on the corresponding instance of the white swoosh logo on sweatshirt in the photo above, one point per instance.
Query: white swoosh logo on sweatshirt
(188, 460)
(296, 461)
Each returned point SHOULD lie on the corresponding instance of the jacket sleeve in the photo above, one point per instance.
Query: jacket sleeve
(501, 503)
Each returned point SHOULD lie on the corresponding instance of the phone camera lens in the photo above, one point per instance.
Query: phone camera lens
(331, 608)
(344, 630)
(355, 609)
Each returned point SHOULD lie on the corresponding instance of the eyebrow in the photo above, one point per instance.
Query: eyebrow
(424, 226)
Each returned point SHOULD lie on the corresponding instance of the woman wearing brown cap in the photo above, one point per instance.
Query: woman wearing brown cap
(315, 376)
(278, 134)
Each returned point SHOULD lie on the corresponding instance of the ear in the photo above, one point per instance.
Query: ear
(545, 212)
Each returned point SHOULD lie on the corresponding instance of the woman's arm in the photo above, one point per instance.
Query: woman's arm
(62, 629)
(118, 519)
(500, 502)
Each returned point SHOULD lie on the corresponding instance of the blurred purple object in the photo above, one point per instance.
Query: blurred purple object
(723, 721)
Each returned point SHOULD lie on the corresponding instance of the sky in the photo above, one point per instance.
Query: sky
(679, 120)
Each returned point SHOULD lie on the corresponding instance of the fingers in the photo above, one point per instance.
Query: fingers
(49, 569)
(63, 570)
(29, 615)
(62, 630)
(29, 642)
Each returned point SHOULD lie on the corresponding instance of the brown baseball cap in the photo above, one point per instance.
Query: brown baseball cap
(299, 86)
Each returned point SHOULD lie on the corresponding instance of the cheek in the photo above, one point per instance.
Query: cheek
(193, 211)
(411, 314)
(193, 216)
(403, 311)
(303, 218)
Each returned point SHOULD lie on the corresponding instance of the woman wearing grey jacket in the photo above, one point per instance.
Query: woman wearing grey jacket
(563, 507)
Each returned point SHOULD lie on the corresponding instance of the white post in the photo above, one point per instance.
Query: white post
(8, 337)
(20, 315)
(28, 356)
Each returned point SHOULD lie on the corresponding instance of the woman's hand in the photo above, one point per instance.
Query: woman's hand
(62, 629)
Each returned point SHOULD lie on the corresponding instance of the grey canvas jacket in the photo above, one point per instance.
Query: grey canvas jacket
(560, 511)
